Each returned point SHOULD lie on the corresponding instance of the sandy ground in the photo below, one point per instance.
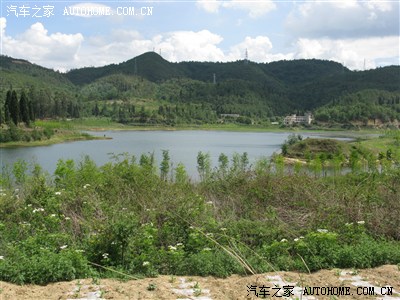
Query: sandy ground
(206, 288)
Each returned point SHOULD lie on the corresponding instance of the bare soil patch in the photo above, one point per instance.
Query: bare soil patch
(233, 287)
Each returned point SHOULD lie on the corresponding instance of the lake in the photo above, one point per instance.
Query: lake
(183, 146)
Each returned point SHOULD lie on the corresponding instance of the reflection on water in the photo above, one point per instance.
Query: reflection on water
(183, 146)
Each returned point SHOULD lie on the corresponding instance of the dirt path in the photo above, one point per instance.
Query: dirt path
(379, 280)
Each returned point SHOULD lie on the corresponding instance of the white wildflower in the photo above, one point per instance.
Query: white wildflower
(63, 247)
(322, 230)
(16, 190)
(79, 251)
(3, 194)
(301, 237)
(147, 209)
(67, 218)
(105, 255)
(361, 222)
(206, 249)
(209, 202)
(53, 215)
(1, 257)
(223, 229)
(283, 240)
(38, 210)
(124, 208)
(209, 234)
(86, 186)
(29, 205)
(179, 245)
(57, 193)
(172, 248)
(296, 239)
(146, 263)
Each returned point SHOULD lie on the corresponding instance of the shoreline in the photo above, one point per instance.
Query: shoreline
(52, 141)
(75, 129)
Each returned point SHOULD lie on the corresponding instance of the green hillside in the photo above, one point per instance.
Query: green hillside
(150, 66)
(21, 74)
(256, 91)
(363, 106)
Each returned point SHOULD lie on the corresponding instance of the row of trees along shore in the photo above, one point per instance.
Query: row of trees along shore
(17, 111)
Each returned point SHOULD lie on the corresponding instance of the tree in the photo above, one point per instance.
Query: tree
(23, 108)
(31, 111)
(14, 108)
(96, 110)
(165, 165)
(7, 117)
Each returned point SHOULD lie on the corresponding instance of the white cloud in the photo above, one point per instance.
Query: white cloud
(344, 19)
(350, 52)
(259, 49)
(210, 6)
(189, 45)
(66, 51)
(38, 46)
(254, 9)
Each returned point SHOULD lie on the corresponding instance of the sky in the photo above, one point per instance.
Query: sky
(66, 35)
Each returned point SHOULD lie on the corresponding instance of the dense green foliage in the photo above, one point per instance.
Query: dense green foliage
(143, 89)
(238, 219)
(364, 106)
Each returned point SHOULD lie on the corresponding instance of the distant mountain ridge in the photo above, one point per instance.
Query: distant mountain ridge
(244, 87)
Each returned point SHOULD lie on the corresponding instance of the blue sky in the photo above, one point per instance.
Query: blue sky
(355, 33)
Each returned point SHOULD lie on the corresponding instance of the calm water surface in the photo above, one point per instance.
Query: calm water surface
(183, 146)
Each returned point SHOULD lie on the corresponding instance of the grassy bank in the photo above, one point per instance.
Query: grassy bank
(97, 124)
(59, 137)
(143, 218)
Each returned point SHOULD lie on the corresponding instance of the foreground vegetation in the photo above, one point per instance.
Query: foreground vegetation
(133, 218)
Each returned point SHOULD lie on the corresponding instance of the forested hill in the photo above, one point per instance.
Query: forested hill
(254, 90)
(21, 73)
(306, 83)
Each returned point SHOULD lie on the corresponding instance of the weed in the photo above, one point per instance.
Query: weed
(197, 292)
(151, 287)
(130, 222)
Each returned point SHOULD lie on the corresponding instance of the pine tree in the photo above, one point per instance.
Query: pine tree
(7, 117)
(14, 108)
(23, 109)
(31, 111)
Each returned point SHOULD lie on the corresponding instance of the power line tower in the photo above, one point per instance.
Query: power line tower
(214, 79)
(246, 57)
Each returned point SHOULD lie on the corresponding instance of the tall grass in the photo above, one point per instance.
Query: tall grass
(129, 217)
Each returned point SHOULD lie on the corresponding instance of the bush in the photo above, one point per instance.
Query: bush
(124, 216)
